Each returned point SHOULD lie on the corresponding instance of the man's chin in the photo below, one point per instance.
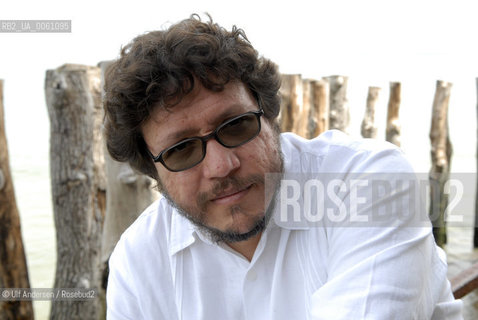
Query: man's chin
(217, 235)
(230, 236)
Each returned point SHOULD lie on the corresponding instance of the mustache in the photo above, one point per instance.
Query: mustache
(232, 182)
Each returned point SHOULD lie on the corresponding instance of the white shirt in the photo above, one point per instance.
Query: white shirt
(163, 268)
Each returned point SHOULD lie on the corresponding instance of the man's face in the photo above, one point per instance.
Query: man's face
(225, 193)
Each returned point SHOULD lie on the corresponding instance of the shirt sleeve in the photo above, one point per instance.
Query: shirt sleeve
(404, 281)
(388, 269)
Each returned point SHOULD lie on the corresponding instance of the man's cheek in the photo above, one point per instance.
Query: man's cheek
(181, 193)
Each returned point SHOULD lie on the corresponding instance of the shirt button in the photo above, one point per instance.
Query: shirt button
(252, 275)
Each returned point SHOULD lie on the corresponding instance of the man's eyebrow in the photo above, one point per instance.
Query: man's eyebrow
(224, 115)
(212, 123)
(182, 134)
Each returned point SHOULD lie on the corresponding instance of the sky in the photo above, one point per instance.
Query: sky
(372, 42)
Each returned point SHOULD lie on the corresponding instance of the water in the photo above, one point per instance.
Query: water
(32, 189)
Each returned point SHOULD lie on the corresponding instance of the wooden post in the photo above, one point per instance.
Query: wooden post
(441, 151)
(303, 116)
(465, 282)
(13, 266)
(369, 129)
(291, 103)
(320, 108)
(128, 194)
(73, 98)
(393, 123)
(339, 114)
(475, 236)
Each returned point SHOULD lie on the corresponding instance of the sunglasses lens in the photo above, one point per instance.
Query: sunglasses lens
(232, 133)
(239, 130)
(184, 154)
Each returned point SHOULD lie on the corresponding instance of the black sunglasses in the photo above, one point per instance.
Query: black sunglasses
(230, 134)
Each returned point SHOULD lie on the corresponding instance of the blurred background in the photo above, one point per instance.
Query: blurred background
(371, 42)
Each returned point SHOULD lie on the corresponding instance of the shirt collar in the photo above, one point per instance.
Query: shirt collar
(181, 233)
(184, 233)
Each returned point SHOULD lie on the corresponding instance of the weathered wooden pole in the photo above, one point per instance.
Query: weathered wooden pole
(73, 98)
(392, 133)
(368, 128)
(320, 108)
(291, 103)
(475, 236)
(465, 282)
(13, 265)
(339, 110)
(128, 194)
(441, 151)
(301, 123)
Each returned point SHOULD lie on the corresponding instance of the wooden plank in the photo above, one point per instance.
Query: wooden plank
(291, 101)
(475, 235)
(13, 265)
(368, 128)
(465, 282)
(73, 98)
(320, 108)
(441, 151)
(303, 115)
(392, 133)
(339, 110)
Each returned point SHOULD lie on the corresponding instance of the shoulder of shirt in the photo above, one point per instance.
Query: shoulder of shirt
(328, 140)
(336, 151)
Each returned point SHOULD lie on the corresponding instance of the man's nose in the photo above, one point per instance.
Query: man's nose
(219, 161)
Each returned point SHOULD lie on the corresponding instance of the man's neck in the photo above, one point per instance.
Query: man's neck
(246, 247)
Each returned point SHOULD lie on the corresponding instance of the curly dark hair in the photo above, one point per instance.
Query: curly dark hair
(159, 68)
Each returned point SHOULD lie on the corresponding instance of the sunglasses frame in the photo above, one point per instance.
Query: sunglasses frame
(206, 138)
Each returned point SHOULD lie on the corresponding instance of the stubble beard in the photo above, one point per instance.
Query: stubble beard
(198, 217)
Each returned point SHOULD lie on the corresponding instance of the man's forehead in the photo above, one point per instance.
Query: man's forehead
(179, 123)
(233, 97)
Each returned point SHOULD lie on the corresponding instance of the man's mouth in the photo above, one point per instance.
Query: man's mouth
(231, 196)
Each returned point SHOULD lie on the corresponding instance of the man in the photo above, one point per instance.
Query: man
(194, 107)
